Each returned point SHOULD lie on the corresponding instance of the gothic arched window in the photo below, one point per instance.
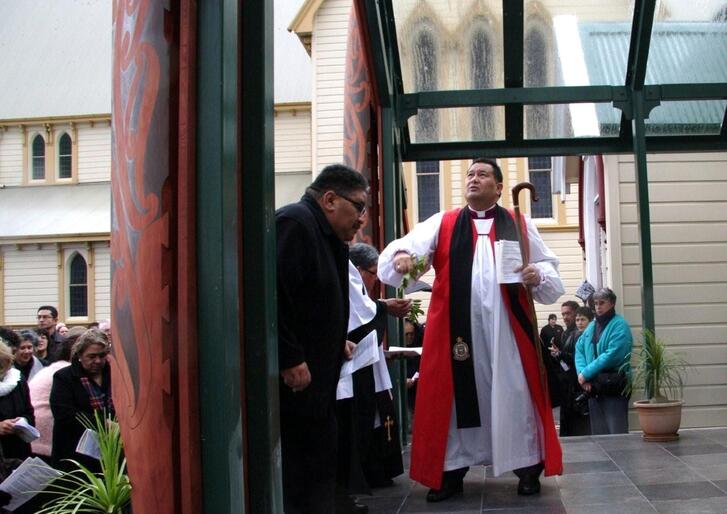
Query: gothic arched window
(483, 118)
(78, 286)
(38, 158)
(65, 156)
(426, 125)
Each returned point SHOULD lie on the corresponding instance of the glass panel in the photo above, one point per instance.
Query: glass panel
(457, 45)
(571, 120)
(64, 156)
(458, 124)
(688, 43)
(576, 43)
(38, 158)
(427, 188)
(680, 118)
(78, 289)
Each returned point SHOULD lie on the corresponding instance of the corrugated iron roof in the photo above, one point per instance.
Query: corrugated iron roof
(680, 52)
(60, 210)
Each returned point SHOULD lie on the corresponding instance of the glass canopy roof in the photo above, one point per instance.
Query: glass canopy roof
(550, 77)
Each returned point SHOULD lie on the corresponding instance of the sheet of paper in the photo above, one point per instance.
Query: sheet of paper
(32, 476)
(417, 285)
(365, 354)
(88, 444)
(507, 260)
(406, 351)
(26, 431)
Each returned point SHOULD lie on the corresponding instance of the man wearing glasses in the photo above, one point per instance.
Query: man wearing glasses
(313, 309)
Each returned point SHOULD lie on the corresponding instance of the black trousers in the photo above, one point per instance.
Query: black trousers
(309, 463)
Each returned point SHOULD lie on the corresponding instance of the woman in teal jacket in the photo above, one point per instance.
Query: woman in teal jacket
(604, 347)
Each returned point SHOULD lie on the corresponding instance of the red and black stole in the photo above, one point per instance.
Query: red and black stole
(443, 378)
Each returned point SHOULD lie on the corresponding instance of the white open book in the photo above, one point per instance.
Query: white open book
(88, 444)
(31, 477)
(507, 260)
(25, 430)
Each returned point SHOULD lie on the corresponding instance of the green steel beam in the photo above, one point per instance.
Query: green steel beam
(260, 350)
(514, 39)
(635, 78)
(637, 60)
(409, 103)
(674, 92)
(393, 195)
(644, 218)
(218, 259)
(620, 96)
(556, 147)
(382, 67)
(392, 40)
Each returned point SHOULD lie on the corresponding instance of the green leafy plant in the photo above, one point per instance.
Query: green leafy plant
(420, 265)
(415, 312)
(82, 490)
(657, 370)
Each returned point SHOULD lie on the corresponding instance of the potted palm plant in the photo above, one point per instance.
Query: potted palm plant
(661, 375)
(82, 490)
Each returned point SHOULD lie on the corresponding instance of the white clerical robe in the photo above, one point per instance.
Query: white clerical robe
(510, 435)
(362, 309)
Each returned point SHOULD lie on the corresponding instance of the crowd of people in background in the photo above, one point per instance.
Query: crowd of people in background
(587, 364)
(51, 376)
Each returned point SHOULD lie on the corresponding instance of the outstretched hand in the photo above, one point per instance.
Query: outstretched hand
(398, 307)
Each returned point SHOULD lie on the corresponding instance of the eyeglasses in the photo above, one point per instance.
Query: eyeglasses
(359, 206)
(369, 271)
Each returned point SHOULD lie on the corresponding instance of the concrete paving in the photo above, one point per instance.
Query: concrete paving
(602, 475)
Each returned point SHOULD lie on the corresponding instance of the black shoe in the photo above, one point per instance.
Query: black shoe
(528, 485)
(449, 489)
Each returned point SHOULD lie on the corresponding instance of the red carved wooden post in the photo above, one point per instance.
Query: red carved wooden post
(152, 243)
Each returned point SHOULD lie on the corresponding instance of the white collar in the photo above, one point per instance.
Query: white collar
(9, 381)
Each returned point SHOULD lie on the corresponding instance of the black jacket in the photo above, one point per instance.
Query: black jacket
(16, 404)
(312, 265)
(68, 399)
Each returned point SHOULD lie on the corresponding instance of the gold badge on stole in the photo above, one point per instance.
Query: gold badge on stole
(460, 350)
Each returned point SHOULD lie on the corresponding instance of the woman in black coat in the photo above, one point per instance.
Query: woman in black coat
(82, 388)
(14, 404)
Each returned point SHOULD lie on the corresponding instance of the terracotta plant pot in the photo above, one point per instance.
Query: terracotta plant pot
(659, 421)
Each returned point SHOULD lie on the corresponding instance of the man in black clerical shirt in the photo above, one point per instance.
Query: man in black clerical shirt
(313, 304)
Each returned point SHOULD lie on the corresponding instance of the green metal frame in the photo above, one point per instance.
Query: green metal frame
(633, 98)
(260, 348)
(238, 363)
(218, 259)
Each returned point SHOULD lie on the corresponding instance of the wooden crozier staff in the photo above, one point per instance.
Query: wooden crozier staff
(525, 258)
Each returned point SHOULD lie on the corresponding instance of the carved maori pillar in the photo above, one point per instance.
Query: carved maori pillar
(152, 252)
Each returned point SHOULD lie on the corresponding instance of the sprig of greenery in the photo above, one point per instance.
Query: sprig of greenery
(415, 312)
(82, 490)
(420, 265)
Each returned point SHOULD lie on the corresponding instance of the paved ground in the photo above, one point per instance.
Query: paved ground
(602, 475)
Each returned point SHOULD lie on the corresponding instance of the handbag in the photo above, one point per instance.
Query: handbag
(610, 383)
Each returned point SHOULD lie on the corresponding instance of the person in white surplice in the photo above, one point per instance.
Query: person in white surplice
(481, 398)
